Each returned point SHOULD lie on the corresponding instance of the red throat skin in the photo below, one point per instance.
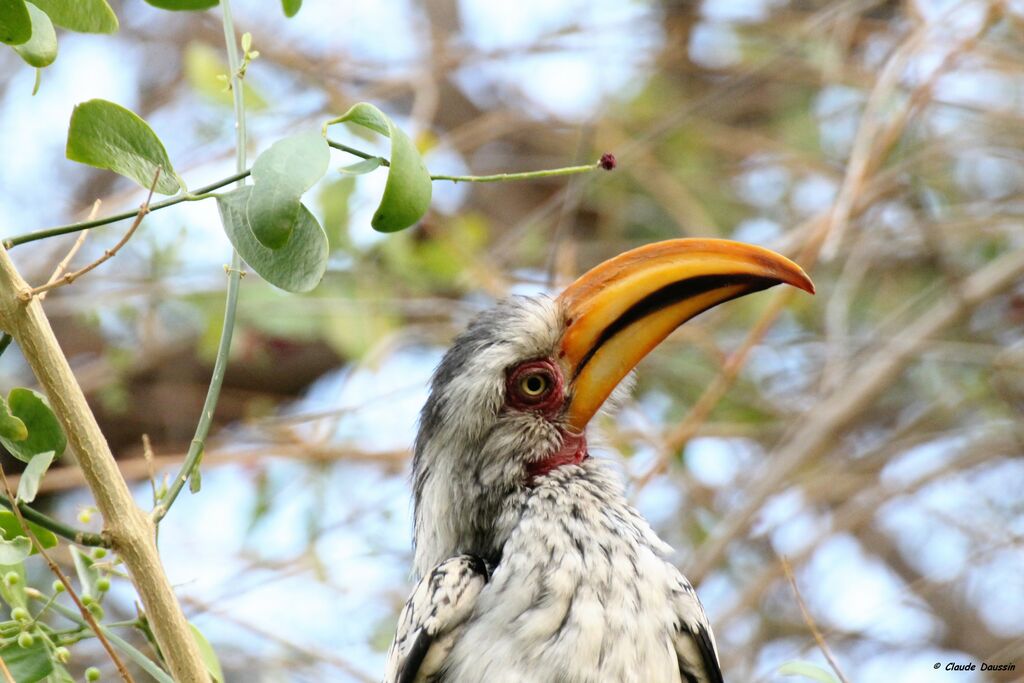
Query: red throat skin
(572, 452)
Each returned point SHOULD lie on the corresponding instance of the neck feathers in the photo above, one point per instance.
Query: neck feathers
(458, 499)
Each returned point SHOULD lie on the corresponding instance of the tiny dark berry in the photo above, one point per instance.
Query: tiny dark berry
(607, 161)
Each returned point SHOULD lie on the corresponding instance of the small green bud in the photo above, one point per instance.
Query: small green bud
(99, 553)
(246, 41)
(12, 578)
(85, 515)
(58, 586)
(62, 654)
(92, 674)
(103, 584)
(88, 600)
(25, 640)
(97, 610)
(20, 614)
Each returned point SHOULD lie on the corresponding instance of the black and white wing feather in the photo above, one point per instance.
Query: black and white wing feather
(432, 619)
(695, 644)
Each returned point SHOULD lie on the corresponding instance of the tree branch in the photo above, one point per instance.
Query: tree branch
(130, 531)
(863, 384)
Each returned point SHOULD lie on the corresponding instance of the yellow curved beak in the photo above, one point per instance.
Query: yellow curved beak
(618, 311)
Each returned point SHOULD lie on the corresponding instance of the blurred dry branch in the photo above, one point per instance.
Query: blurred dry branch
(815, 631)
(871, 434)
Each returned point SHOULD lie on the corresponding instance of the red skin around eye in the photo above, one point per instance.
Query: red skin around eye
(548, 403)
(573, 450)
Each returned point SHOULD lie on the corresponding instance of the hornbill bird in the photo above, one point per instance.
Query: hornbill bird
(532, 564)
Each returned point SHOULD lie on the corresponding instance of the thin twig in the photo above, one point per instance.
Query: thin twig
(190, 468)
(496, 178)
(136, 469)
(206, 191)
(63, 265)
(108, 254)
(201, 193)
(147, 455)
(565, 224)
(79, 536)
(356, 152)
(525, 175)
(86, 614)
(815, 631)
(7, 672)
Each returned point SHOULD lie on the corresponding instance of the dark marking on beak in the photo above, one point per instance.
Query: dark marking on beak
(672, 294)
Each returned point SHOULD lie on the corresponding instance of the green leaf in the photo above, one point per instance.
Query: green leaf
(407, 191)
(10, 529)
(41, 49)
(291, 7)
(11, 427)
(208, 654)
(44, 430)
(59, 675)
(28, 664)
(281, 175)
(298, 266)
(334, 207)
(362, 167)
(107, 135)
(28, 485)
(807, 670)
(143, 662)
(83, 16)
(14, 594)
(15, 22)
(202, 66)
(14, 551)
(302, 157)
(87, 573)
(181, 5)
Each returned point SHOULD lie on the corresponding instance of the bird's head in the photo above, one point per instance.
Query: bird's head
(512, 398)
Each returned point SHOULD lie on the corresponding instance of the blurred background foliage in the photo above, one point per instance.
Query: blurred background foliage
(871, 434)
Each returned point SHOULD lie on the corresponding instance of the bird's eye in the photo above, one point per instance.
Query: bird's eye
(534, 385)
